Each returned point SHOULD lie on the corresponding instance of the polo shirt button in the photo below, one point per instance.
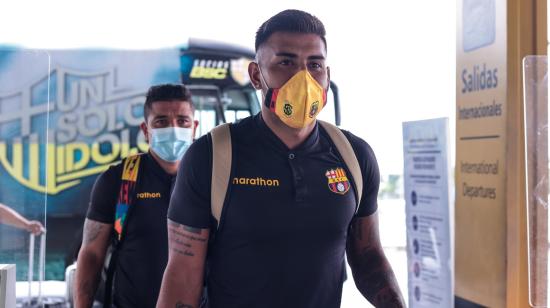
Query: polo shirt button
(291, 156)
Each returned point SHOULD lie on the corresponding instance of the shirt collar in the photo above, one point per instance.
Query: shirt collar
(309, 145)
(151, 165)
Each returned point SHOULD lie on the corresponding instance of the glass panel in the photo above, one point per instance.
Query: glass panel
(535, 83)
(25, 168)
(239, 103)
(205, 112)
(97, 99)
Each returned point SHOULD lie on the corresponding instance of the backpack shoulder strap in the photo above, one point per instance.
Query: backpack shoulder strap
(127, 192)
(128, 183)
(348, 155)
(221, 167)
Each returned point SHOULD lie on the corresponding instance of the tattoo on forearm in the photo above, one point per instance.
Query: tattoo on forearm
(181, 238)
(372, 272)
(176, 233)
(179, 304)
(91, 231)
(183, 252)
(192, 230)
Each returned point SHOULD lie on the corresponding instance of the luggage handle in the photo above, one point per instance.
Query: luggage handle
(41, 264)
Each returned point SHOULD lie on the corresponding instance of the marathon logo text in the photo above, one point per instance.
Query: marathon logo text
(149, 195)
(256, 181)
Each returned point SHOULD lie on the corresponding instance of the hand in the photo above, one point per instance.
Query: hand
(35, 227)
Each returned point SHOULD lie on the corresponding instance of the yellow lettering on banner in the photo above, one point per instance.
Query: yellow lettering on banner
(60, 165)
(124, 149)
(71, 150)
(15, 169)
(83, 173)
(34, 162)
(102, 159)
(65, 165)
(142, 146)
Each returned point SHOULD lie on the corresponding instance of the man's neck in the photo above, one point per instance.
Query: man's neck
(291, 137)
(168, 167)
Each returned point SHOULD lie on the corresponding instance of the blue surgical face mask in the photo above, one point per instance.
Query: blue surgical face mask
(170, 143)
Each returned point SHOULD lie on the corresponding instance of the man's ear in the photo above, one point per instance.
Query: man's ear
(144, 129)
(195, 125)
(254, 74)
(328, 76)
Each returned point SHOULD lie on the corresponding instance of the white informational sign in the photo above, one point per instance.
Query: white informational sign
(429, 249)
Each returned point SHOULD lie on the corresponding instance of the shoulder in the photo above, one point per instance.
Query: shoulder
(104, 194)
(198, 158)
(112, 175)
(244, 129)
(365, 157)
(362, 149)
(200, 147)
(244, 123)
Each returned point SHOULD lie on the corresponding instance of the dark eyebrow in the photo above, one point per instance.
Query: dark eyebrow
(293, 56)
(316, 57)
(286, 54)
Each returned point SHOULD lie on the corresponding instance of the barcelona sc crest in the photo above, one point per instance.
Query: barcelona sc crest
(337, 181)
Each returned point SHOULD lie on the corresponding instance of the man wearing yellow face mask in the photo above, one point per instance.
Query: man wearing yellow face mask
(290, 211)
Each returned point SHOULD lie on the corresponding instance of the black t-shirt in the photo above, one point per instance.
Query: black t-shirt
(143, 254)
(284, 225)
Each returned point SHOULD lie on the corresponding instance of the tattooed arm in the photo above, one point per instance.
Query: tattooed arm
(90, 260)
(183, 278)
(371, 271)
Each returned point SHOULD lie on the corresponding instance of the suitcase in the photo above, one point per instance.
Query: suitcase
(39, 300)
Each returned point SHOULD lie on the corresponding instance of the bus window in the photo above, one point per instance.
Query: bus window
(205, 113)
(239, 103)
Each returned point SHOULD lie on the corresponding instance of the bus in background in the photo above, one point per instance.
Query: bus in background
(67, 115)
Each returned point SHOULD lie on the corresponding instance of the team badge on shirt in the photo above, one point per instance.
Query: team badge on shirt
(337, 181)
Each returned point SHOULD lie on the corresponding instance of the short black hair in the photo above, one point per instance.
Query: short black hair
(295, 21)
(167, 92)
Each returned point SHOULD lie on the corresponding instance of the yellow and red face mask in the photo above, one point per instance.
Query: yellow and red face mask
(298, 102)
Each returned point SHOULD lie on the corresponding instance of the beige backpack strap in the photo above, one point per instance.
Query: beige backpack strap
(221, 167)
(348, 155)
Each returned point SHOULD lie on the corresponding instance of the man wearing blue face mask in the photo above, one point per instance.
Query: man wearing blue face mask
(128, 208)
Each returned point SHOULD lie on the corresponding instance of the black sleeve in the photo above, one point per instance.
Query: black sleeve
(370, 172)
(190, 201)
(104, 195)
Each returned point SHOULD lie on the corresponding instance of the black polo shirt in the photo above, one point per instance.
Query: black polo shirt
(282, 237)
(144, 252)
